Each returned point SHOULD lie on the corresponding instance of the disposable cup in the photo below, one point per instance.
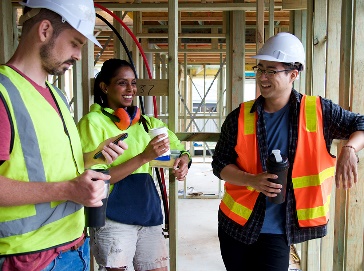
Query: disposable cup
(157, 131)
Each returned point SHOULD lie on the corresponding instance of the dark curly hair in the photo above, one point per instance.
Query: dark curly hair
(108, 71)
(293, 66)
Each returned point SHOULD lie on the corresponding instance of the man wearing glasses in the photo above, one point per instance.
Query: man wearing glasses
(254, 233)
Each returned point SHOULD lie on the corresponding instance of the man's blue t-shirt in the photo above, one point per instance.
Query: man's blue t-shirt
(277, 127)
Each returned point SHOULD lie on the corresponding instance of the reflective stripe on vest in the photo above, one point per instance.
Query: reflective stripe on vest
(63, 97)
(45, 214)
(312, 180)
(238, 201)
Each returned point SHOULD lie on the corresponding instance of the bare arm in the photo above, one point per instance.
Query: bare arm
(81, 190)
(346, 166)
(356, 140)
(233, 175)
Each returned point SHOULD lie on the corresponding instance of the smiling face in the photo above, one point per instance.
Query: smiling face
(275, 88)
(122, 88)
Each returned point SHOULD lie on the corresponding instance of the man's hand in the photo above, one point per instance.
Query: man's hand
(109, 150)
(234, 175)
(346, 168)
(84, 190)
(261, 183)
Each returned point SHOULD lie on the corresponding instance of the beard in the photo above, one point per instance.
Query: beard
(49, 61)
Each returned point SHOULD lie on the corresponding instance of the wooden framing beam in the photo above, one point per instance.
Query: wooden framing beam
(87, 74)
(203, 136)
(294, 4)
(332, 81)
(212, 17)
(181, 6)
(237, 60)
(7, 46)
(355, 201)
(173, 7)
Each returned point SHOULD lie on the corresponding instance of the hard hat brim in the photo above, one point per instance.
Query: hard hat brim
(94, 40)
(267, 57)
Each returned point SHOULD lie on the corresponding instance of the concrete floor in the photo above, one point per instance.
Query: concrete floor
(198, 247)
(198, 244)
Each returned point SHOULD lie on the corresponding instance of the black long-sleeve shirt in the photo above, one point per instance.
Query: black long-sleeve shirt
(338, 124)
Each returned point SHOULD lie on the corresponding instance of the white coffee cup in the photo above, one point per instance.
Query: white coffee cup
(157, 131)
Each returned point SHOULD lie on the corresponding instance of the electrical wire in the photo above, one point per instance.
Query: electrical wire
(127, 52)
(137, 44)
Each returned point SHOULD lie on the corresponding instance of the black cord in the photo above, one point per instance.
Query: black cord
(165, 203)
(127, 52)
(121, 40)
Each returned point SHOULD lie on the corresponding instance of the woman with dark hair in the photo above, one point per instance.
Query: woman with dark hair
(132, 237)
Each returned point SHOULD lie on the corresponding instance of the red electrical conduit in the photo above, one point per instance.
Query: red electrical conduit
(137, 43)
(148, 69)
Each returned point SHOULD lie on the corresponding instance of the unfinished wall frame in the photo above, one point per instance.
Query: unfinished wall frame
(333, 69)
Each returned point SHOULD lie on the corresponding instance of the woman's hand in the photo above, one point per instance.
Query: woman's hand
(110, 152)
(156, 147)
(180, 167)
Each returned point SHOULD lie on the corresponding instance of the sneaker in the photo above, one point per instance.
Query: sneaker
(294, 260)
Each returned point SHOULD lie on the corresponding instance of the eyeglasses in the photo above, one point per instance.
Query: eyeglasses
(269, 73)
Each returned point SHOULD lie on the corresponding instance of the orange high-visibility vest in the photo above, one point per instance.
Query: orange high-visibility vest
(312, 174)
(238, 201)
(313, 168)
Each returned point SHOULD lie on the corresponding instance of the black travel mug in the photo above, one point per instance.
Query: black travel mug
(278, 165)
(95, 216)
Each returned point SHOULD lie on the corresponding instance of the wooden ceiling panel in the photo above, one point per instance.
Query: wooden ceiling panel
(196, 26)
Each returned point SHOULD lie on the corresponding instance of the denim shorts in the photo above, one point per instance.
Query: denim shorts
(2, 259)
(75, 260)
(131, 247)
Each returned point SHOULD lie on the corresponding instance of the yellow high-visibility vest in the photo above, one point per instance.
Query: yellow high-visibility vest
(46, 148)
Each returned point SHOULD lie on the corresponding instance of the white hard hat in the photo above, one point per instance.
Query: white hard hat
(80, 14)
(283, 47)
